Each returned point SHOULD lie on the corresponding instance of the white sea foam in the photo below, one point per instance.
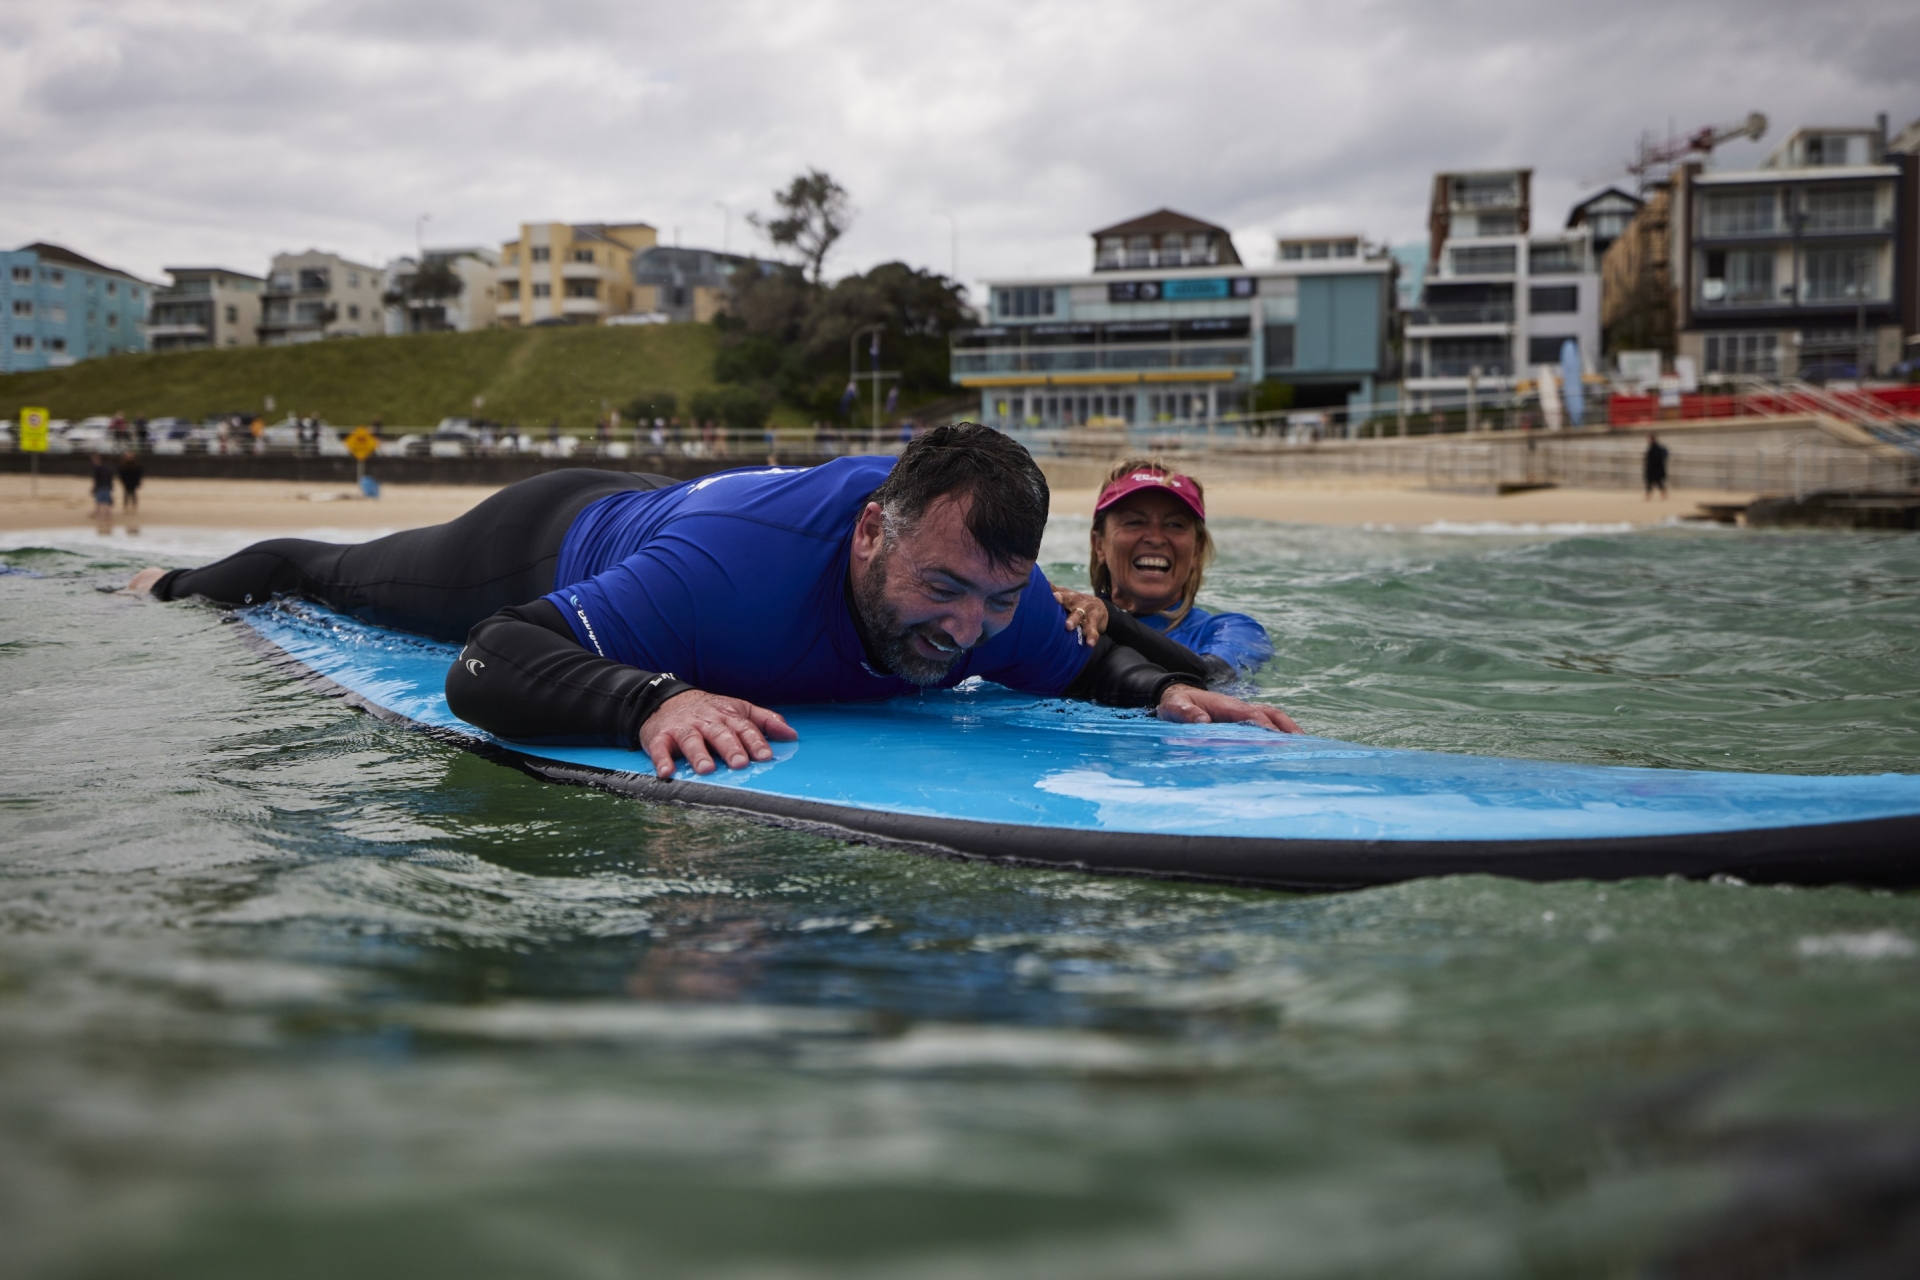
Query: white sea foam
(1880, 944)
(168, 544)
(1505, 528)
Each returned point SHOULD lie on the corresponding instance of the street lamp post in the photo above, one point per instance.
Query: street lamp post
(953, 243)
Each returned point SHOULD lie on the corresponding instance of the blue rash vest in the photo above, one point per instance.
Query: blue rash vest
(737, 584)
(1233, 637)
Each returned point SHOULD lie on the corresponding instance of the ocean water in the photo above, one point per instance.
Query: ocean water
(285, 991)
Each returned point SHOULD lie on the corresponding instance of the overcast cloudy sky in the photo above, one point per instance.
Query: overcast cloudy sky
(149, 133)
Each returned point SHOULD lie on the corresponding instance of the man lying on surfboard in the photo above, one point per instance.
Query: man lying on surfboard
(612, 608)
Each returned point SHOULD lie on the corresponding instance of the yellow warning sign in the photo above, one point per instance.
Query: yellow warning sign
(33, 430)
(361, 443)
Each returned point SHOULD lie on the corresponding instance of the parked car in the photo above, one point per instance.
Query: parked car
(454, 438)
(1829, 371)
(285, 434)
(169, 435)
(83, 436)
(411, 445)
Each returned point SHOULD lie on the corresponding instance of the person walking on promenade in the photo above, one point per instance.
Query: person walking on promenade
(1655, 467)
(102, 492)
(131, 474)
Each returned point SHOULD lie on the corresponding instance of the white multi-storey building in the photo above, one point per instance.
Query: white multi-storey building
(316, 295)
(411, 310)
(1500, 299)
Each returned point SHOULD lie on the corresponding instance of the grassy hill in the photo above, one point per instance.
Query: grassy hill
(526, 375)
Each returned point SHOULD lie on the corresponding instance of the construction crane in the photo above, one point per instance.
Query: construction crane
(1656, 159)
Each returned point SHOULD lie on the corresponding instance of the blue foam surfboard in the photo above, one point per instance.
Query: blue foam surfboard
(984, 772)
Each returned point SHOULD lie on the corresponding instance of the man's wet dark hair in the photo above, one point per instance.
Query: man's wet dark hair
(966, 460)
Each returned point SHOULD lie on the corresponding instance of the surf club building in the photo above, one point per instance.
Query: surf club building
(1172, 327)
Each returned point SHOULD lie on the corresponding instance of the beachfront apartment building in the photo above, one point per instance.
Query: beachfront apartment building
(57, 307)
(1500, 299)
(315, 295)
(1805, 264)
(457, 294)
(679, 285)
(205, 307)
(569, 273)
(1172, 327)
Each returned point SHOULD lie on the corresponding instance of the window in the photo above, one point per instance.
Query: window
(313, 280)
(1840, 209)
(1280, 346)
(1140, 251)
(1346, 249)
(1317, 250)
(23, 342)
(113, 287)
(1738, 276)
(113, 319)
(56, 276)
(583, 255)
(1836, 274)
(353, 313)
(1553, 259)
(1292, 252)
(1547, 350)
(1017, 303)
(22, 307)
(1833, 148)
(583, 288)
(1498, 224)
(56, 344)
(509, 291)
(1459, 357)
(1553, 299)
(1743, 353)
(540, 253)
(542, 289)
(1484, 260)
(24, 275)
(233, 315)
(353, 279)
(1112, 251)
(1738, 213)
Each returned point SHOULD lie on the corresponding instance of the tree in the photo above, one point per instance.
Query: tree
(742, 410)
(649, 405)
(814, 215)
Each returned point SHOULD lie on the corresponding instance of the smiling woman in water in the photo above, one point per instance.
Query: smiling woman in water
(1150, 550)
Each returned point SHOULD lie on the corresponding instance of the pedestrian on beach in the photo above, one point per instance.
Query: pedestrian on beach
(102, 489)
(131, 475)
(1655, 467)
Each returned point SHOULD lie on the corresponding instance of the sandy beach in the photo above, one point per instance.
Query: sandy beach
(276, 505)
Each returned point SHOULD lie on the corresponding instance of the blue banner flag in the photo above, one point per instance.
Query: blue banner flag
(848, 398)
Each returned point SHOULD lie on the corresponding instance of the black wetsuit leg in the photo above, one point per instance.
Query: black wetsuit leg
(438, 581)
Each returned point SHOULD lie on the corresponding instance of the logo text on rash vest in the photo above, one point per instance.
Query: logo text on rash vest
(582, 615)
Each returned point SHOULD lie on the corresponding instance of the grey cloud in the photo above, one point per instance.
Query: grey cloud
(154, 131)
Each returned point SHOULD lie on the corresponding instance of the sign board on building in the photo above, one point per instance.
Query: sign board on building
(1182, 290)
(33, 430)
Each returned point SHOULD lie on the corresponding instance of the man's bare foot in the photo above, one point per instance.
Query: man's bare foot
(143, 581)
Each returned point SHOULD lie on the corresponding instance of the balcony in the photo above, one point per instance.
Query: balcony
(178, 329)
(582, 307)
(1119, 359)
(1490, 313)
(507, 308)
(579, 271)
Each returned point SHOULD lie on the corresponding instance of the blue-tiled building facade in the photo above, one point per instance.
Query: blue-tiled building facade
(57, 307)
(1171, 327)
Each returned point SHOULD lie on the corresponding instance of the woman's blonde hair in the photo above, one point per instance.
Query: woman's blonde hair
(1102, 577)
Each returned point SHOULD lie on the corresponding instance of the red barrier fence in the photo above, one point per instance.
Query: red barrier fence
(1635, 411)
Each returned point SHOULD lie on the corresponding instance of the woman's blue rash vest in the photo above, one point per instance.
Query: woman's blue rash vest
(737, 583)
(1234, 638)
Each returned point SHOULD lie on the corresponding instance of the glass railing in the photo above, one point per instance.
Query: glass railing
(1463, 313)
(1118, 357)
(1448, 367)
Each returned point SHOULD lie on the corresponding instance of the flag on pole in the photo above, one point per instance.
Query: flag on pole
(848, 398)
(893, 398)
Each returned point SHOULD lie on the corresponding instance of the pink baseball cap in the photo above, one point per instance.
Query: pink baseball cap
(1181, 487)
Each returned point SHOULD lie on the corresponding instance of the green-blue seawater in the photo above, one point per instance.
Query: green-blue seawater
(288, 992)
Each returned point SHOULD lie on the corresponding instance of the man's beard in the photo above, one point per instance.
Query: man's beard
(891, 637)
